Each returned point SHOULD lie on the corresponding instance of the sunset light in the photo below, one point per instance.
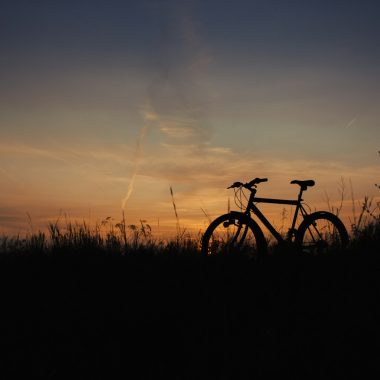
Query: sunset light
(102, 113)
(189, 189)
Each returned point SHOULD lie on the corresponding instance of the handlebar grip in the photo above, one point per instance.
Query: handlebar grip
(256, 181)
(249, 184)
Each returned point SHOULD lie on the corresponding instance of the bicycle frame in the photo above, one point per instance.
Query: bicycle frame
(254, 209)
(318, 232)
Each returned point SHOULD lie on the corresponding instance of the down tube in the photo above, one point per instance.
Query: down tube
(266, 223)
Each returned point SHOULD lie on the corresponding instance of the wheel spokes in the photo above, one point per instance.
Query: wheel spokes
(231, 236)
(320, 236)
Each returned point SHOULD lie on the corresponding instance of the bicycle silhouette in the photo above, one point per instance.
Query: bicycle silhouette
(235, 231)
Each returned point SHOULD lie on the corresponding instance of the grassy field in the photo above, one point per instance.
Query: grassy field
(83, 303)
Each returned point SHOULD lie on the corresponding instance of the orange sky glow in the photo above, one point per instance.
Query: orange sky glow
(100, 114)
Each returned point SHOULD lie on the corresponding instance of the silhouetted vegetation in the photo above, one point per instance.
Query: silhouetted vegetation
(115, 301)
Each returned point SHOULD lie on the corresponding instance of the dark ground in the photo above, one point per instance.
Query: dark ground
(180, 317)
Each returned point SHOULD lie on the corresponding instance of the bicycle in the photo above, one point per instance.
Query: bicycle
(238, 232)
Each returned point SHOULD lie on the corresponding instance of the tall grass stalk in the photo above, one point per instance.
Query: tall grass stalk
(123, 230)
(180, 232)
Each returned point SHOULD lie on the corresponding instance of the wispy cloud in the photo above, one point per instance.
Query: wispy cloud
(20, 149)
(199, 174)
(352, 123)
(149, 118)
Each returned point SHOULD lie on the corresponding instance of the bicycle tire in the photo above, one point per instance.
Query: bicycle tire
(322, 232)
(233, 233)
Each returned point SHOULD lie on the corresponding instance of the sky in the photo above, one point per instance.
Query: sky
(105, 105)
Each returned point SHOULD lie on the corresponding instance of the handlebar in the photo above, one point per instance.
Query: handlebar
(248, 185)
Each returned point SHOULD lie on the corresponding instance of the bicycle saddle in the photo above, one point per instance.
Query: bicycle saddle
(303, 184)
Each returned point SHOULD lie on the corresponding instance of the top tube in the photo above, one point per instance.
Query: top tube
(276, 201)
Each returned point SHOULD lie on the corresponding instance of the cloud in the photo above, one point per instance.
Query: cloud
(28, 150)
(173, 101)
(198, 172)
(352, 122)
(149, 117)
(77, 156)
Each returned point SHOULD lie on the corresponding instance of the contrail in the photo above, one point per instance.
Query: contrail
(149, 116)
(160, 108)
(352, 122)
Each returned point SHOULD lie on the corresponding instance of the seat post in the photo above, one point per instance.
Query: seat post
(297, 209)
(300, 194)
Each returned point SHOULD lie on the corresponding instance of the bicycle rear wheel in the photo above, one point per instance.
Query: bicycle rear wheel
(322, 232)
(233, 233)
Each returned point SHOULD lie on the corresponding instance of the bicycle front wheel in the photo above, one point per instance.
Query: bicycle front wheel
(233, 233)
(322, 232)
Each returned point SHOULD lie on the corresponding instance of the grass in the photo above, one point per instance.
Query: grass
(88, 304)
(106, 237)
(113, 300)
(64, 236)
(80, 300)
